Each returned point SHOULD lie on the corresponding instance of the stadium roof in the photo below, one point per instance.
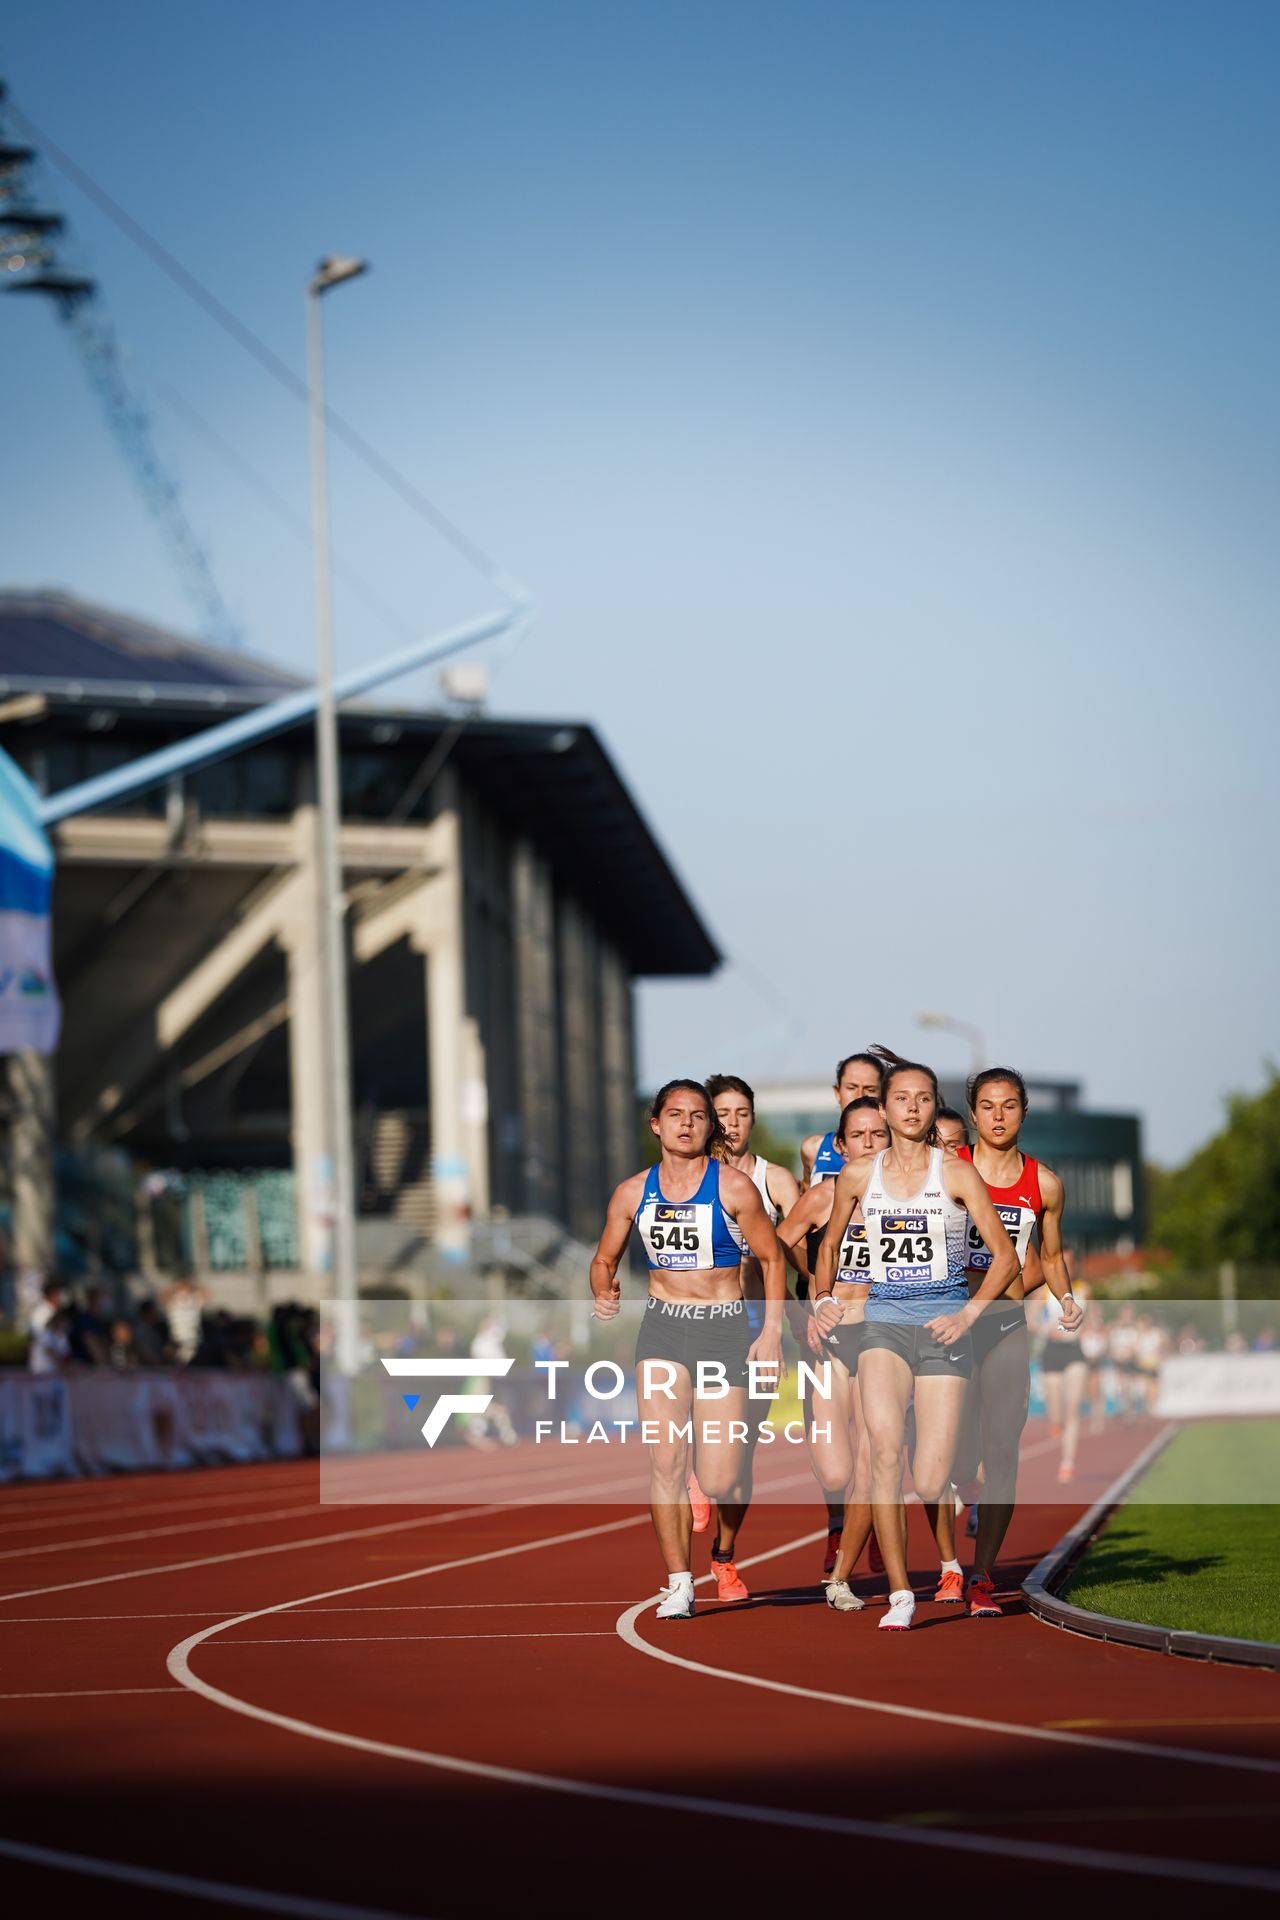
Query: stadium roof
(552, 781)
(49, 638)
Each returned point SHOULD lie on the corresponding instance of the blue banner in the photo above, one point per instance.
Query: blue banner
(30, 1015)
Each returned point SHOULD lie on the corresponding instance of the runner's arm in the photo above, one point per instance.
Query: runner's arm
(965, 1184)
(850, 1187)
(1051, 1255)
(618, 1222)
(742, 1201)
(784, 1188)
(1032, 1269)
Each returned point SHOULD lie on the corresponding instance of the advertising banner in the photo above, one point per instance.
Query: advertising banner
(30, 1015)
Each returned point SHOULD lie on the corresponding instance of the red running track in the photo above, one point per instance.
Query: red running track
(216, 1693)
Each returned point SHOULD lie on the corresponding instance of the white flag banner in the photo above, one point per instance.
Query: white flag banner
(30, 1015)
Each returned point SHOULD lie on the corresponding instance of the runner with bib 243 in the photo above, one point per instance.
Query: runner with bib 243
(916, 1203)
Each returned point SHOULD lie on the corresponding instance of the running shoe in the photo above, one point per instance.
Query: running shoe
(842, 1597)
(901, 1608)
(832, 1553)
(729, 1582)
(875, 1559)
(700, 1504)
(1066, 1471)
(950, 1589)
(981, 1595)
(677, 1603)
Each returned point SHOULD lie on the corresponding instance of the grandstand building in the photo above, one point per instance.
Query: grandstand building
(505, 894)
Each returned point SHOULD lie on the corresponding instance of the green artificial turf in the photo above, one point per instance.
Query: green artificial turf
(1197, 1546)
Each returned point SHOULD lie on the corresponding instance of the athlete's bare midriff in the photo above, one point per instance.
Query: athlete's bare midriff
(711, 1284)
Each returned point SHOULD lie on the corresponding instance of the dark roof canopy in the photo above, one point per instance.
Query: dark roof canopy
(132, 689)
(47, 636)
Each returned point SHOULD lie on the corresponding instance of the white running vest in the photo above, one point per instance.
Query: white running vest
(760, 1181)
(917, 1244)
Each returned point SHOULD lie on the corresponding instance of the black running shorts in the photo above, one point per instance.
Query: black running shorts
(994, 1324)
(916, 1345)
(686, 1331)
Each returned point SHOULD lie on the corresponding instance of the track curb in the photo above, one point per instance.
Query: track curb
(1048, 1574)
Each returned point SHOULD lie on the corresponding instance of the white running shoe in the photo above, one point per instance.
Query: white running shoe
(842, 1597)
(678, 1601)
(902, 1606)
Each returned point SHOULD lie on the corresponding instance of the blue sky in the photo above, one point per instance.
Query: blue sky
(880, 401)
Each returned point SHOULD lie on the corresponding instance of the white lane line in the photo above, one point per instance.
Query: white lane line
(934, 1716)
(86, 1693)
(385, 1639)
(254, 1553)
(570, 1493)
(939, 1840)
(217, 1613)
(113, 1510)
(159, 1533)
(221, 1892)
(27, 1497)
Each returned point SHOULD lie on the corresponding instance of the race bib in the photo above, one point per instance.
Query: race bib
(1017, 1222)
(677, 1236)
(855, 1253)
(909, 1247)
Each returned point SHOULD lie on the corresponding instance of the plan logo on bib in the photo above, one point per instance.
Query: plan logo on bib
(469, 1369)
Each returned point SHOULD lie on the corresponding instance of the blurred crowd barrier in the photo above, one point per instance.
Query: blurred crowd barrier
(97, 1423)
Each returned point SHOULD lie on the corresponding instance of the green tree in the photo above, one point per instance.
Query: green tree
(1224, 1204)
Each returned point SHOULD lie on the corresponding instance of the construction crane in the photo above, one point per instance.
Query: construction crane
(30, 263)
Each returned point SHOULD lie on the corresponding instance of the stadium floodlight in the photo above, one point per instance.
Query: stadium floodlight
(977, 1046)
(336, 1049)
(332, 272)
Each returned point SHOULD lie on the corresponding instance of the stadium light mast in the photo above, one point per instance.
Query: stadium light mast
(977, 1046)
(333, 904)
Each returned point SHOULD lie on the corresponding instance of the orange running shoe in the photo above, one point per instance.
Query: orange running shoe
(832, 1554)
(1066, 1471)
(950, 1589)
(700, 1504)
(981, 1595)
(729, 1582)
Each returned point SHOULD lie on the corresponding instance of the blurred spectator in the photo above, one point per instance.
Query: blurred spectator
(50, 1344)
(152, 1340)
(121, 1351)
(184, 1303)
(90, 1329)
(1263, 1341)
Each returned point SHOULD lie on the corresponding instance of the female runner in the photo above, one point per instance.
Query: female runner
(953, 1133)
(734, 1105)
(844, 1459)
(858, 1077)
(1026, 1195)
(695, 1219)
(1063, 1373)
(918, 1314)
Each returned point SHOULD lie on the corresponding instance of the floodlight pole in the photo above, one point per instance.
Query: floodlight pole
(977, 1047)
(344, 1273)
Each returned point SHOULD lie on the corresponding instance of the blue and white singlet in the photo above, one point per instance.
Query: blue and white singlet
(688, 1236)
(828, 1162)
